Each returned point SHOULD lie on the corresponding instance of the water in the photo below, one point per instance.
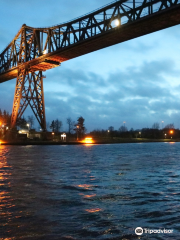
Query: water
(89, 192)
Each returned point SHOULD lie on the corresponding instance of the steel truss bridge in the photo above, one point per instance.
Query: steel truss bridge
(34, 50)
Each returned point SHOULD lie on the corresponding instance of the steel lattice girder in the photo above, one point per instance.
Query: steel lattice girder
(29, 91)
(33, 43)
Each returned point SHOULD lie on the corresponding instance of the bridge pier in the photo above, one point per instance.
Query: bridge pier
(29, 91)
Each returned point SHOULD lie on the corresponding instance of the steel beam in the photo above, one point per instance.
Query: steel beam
(29, 91)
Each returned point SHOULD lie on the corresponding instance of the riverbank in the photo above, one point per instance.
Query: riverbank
(96, 141)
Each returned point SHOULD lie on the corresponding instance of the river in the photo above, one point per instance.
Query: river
(90, 191)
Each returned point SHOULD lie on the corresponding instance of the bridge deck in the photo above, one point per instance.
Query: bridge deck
(151, 23)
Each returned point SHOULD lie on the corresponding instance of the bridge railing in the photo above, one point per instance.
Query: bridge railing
(31, 43)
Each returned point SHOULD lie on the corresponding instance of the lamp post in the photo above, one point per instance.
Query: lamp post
(53, 136)
(77, 129)
(171, 132)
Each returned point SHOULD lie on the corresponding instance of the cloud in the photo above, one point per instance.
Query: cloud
(136, 93)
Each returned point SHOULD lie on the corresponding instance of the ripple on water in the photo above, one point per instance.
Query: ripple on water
(99, 192)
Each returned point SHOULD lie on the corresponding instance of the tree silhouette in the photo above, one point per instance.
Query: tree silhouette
(111, 128)
(123, 129)
(22, 122)
(80, 128)
(56, 126)
(5, 118)
(31, 121)
(52, 126)
(170, 125)
(155, 125)
(70, 125)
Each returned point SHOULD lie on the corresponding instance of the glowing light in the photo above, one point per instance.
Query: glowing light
(117, 22)
(88, 140)
(93, 210)
(89, 196)
(171, 131)
(63, 137)
(85, 186)
(52, 133)
(81, 194)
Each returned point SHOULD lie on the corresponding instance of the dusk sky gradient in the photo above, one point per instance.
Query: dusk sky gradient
(137, 81)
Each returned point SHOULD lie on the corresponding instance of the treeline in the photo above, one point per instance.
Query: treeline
(155, 132)
(74, 128)
(26, 123)
(5, 118)
(78, 129)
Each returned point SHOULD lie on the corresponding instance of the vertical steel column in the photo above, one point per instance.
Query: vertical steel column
(150, 7)
(17, 96)
(134, 5)
(36, 101)
(29, 91)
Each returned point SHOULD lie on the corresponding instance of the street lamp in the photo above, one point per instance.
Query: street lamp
(77, 127)
(27, 125)
(171, 132)
(124, 126)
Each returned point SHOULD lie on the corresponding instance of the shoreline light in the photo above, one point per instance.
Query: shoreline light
(88, 140)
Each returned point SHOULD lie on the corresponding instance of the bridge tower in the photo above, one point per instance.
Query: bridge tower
(29, 91)
(29, 88)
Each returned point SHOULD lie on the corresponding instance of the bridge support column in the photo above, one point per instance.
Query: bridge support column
(29, 91)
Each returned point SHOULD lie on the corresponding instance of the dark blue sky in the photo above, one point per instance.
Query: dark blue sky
(136, 81)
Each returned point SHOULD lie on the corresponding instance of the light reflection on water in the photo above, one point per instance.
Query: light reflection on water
(94, 192)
